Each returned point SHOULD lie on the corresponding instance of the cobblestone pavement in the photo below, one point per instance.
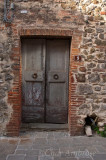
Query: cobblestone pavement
(52, 146)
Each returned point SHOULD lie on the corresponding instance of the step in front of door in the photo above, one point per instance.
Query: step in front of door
(43, 127)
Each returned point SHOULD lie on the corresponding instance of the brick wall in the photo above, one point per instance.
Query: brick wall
(82, 20)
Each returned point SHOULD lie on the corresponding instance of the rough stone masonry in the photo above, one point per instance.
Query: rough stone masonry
(86, 19)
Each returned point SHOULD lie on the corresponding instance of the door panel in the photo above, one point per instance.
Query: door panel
(57, 81)
(33, 78)
(56, 94)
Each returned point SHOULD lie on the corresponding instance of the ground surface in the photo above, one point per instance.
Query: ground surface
(52, 146)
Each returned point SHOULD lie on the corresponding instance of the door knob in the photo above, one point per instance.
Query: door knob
(56, 76)
(34, 75)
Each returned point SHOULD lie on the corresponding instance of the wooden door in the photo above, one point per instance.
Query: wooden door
(45, 80)
(33, 80)
(57, 81)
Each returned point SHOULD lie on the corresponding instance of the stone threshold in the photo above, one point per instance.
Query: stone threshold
(43, 127)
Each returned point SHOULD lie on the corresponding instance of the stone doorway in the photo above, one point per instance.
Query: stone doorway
(13, 127)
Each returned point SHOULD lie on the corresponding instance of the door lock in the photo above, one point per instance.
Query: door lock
(34, 75)
(56, 76)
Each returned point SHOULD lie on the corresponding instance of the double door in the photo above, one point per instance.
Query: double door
(45, 64)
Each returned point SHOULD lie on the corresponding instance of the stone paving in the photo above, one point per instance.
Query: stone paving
(52, 146)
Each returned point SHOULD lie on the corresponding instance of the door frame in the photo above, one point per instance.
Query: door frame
(14, 124)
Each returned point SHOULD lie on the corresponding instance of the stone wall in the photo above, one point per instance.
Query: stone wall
(86, 19)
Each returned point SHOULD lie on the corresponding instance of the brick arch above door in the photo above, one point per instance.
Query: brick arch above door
(14, 96)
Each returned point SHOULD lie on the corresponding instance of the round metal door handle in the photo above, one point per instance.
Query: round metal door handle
(34, 75)
(56, 76)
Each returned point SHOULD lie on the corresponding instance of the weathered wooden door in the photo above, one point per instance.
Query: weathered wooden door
(45, 80)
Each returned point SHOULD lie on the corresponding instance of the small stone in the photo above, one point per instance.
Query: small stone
(95, 107)
(89, 30)
(104, 87)
(102, 60)
(90, 18)
(3, 104)
(93, 78)
(95, 2)
(100, 55)
(2, 93)
(1, 46)
(104, 77)
(91, 65)
(104, 100)
(104, 43)
(99, 30)
(103, 107)
(101, 36)
(87, 40)
(1, 57)
(1, 118)
(102, 23)
(99, 42)
(7, 66)
(64, 6)
(1, 81)
(92, 50)
(98, 17)
(103, 92)
(80, 77)
(8, 77)
(82, 69)
(85, 52)
(90, 57)
(100, 124)
(97, 88)
(83, 106)
(88, 131)
(103, 66)
(85, 89)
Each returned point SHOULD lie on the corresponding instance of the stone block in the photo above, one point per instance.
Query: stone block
(104, 100)
(103, 107)
(91, 65)
(104, 77)
(95, 107)
(92, 50)
(90, 57)
(8, 77)
(88, 131)
(97, 88)
(89, 30)
(100, 124)
(93, 78)
(103, 66)
(100, 42)
(85, 89)
(82, 69)
(80, 77)
(101, 36)
(99, 30)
